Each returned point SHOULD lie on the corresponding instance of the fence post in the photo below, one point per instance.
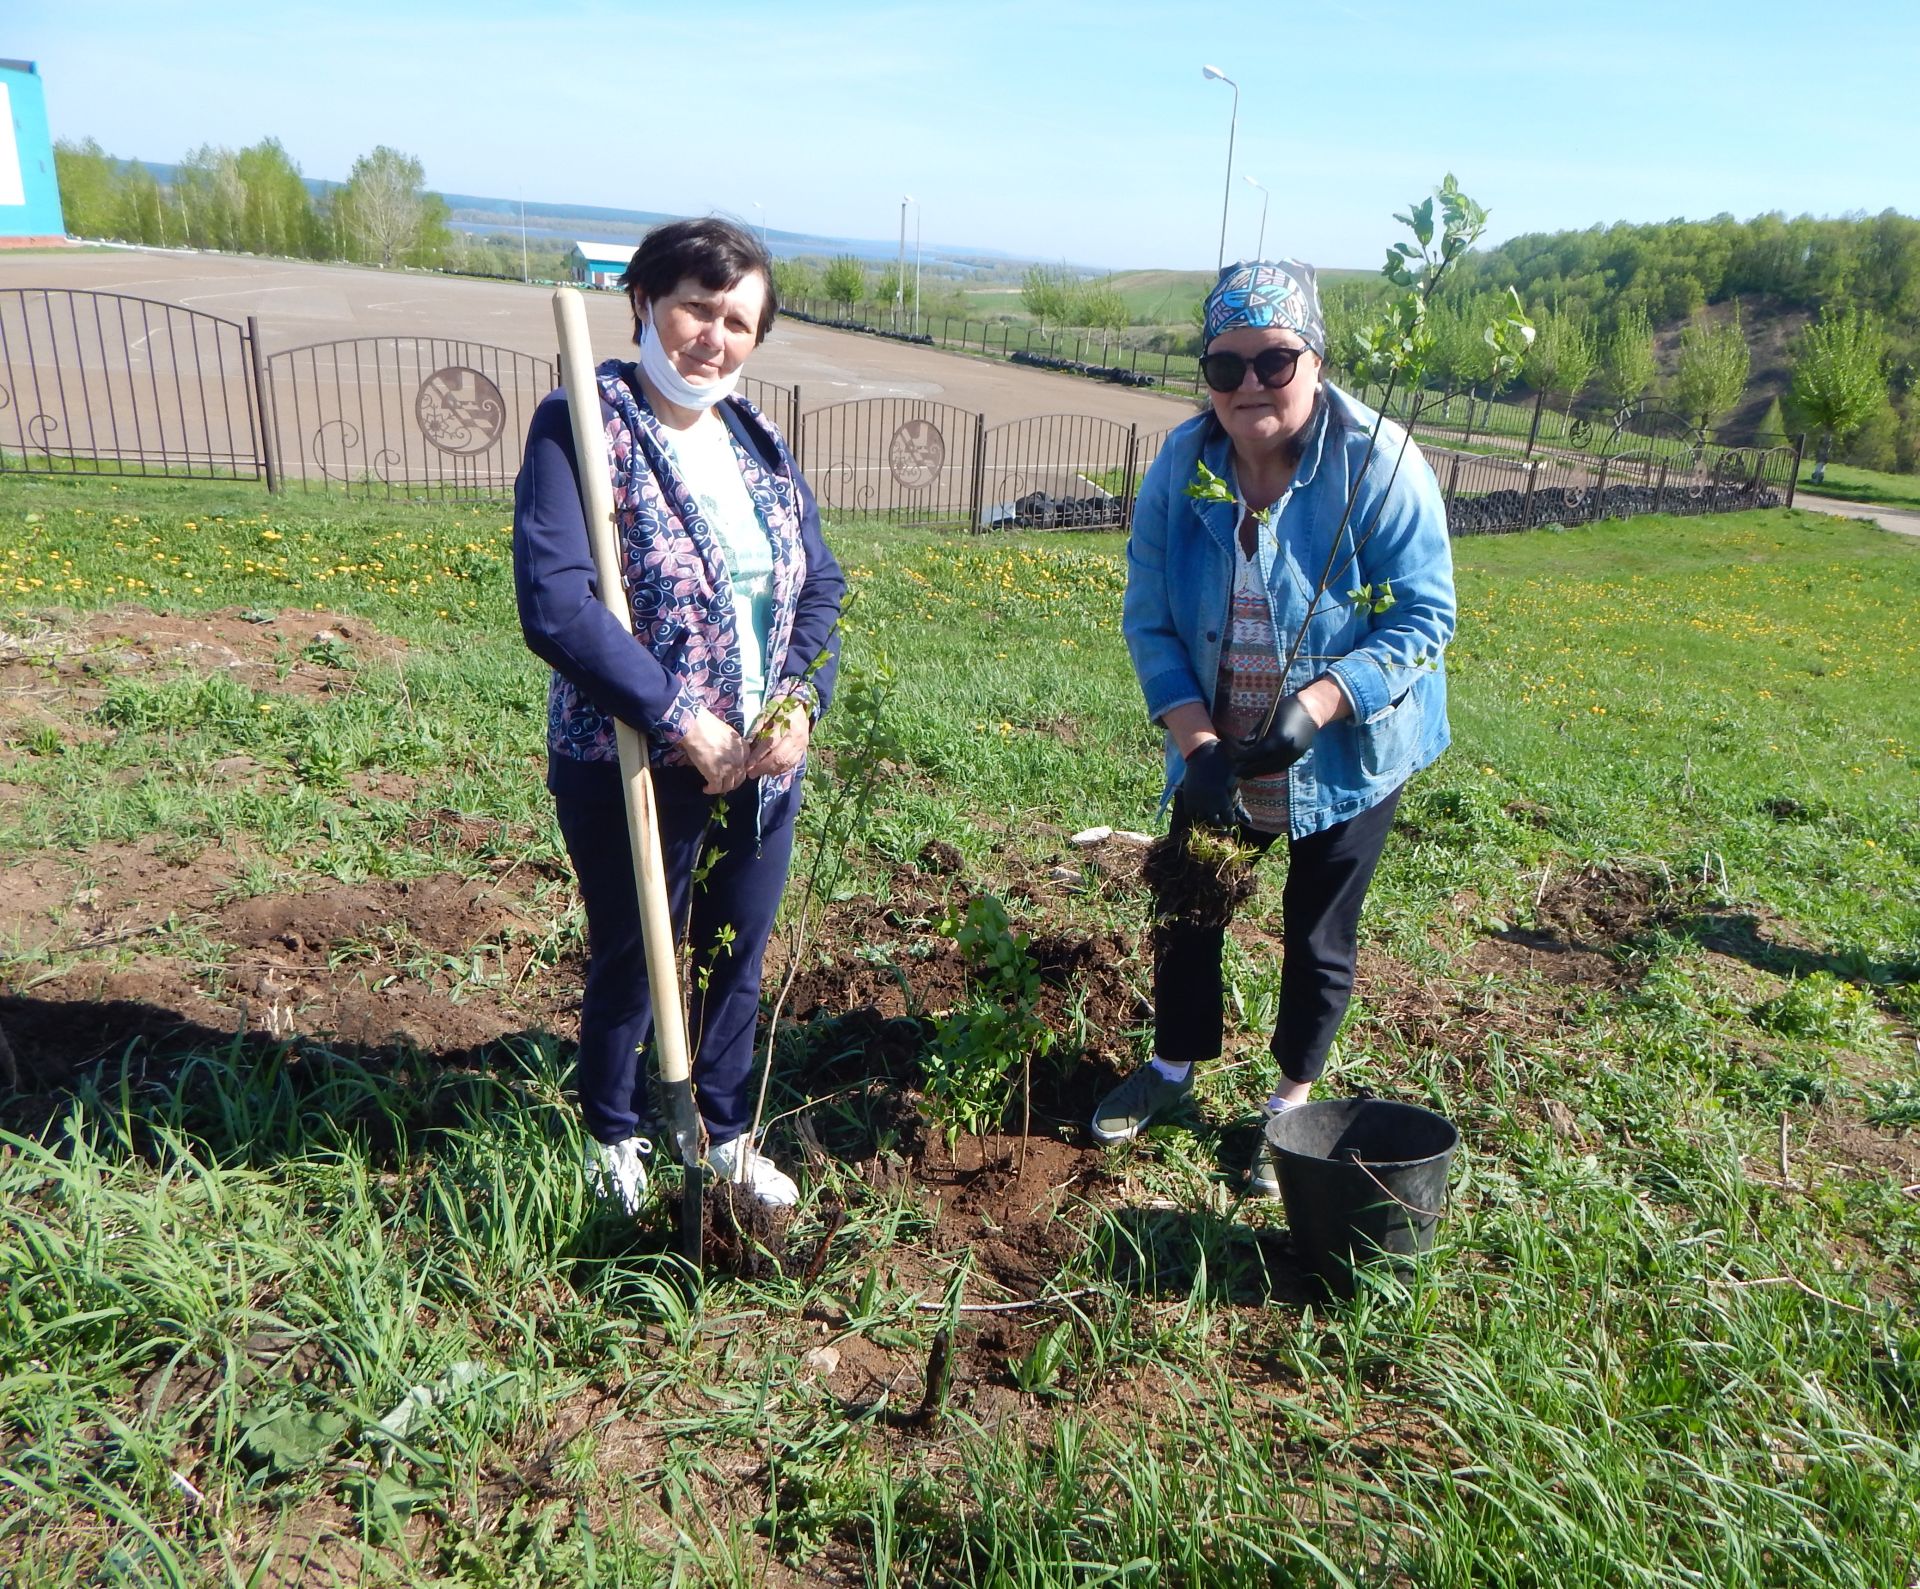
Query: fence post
(1526, 504)
(1127, 487)
(1660, 489)
(1453, 482)
(978, 483)
(1533, 431)
(263, 406)
(793, 435)
(1793, 480)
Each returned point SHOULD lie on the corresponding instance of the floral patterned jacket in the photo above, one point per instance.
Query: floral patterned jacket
(684, 651)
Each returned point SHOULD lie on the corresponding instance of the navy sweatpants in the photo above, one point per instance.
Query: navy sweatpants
(1327, 878)
(733, 909)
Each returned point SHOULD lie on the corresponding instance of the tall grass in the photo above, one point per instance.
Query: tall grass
(274, 1313)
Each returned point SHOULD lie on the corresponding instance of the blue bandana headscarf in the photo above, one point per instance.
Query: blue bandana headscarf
(1262, 293)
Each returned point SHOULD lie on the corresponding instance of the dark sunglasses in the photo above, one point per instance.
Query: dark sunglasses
(1273, 367)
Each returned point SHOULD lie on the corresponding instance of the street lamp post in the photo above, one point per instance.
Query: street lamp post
(1260, 248)
(1233, 126)
(900, 267)
(916, 267)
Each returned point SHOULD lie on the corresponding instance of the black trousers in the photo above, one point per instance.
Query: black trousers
(731, 917)
(1327, 878)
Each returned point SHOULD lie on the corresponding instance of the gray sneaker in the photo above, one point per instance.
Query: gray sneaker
(1128, 1110)
(1263, 1175)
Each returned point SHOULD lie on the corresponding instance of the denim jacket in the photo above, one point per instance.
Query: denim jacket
(1180, 565)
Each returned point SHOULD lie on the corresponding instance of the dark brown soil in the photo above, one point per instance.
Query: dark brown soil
(1192, 886)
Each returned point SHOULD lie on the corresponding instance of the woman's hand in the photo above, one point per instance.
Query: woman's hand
(779, 739)
(717, 753)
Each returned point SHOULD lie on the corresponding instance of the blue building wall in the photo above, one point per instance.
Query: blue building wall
(29, 189)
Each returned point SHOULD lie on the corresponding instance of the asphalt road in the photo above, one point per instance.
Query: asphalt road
(1901, 521)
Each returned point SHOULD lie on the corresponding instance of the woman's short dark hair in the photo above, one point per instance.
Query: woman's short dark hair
(718, 254)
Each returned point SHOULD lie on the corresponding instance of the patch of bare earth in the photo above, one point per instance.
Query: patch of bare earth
(441, 965)
(59, 667)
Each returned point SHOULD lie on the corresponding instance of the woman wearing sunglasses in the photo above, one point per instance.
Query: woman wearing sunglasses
(1289, 594)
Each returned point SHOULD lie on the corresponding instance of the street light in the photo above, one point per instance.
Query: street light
(1260, 248)
(916, 267)
(1233, 126)
(900, 268)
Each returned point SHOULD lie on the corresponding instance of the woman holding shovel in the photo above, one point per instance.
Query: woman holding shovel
(1289, 594)
(730, 661)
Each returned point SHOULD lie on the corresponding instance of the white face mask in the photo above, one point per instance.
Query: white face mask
(670, 383)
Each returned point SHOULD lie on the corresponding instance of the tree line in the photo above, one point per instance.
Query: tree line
(1605, 300)
(1053, 294)
(254, 200)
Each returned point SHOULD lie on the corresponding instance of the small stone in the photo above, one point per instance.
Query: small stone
(822, 1360)
(1139, 841)
(1088, 836)
(1065, 874)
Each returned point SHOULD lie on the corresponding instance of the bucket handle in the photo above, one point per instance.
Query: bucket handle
(1412, 1208)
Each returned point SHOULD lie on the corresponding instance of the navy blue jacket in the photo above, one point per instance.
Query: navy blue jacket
(566, 625)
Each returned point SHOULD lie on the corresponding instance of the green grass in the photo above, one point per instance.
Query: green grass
(1863, 485)
(1641, 1354)
(1153, 297)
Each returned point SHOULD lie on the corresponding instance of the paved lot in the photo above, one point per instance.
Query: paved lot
(299, 303)
(1901, 521)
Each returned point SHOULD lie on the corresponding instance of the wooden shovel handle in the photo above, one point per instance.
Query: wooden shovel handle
(643, 828)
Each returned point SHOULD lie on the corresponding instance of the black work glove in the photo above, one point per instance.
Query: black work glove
(1281, 746)
(1211, 787)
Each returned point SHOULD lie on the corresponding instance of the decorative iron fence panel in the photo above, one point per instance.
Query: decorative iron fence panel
(101, 383)
(403, 415)
(913, 460)
(1491, 494)
(781, 404)
(1056, 472)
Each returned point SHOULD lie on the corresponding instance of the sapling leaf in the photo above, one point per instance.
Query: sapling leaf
(1206, 486)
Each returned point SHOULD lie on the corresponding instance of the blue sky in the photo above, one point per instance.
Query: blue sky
(1066, 130)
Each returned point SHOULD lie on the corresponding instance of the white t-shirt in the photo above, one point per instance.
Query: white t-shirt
(705, 457)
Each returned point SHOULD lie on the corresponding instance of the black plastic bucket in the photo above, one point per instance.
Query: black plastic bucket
(1362, 1179)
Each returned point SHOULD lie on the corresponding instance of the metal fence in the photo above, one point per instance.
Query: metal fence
(907, 458)
(402, 416)
(1098, 350)
(914, 461)
(101, 383)
(1490, 494)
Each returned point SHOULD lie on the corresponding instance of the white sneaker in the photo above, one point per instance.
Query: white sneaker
(741, 1162)
(617, 1171)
